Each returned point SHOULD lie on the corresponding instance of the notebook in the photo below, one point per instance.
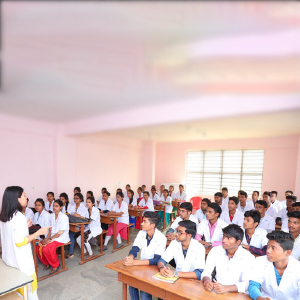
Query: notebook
(165, 279)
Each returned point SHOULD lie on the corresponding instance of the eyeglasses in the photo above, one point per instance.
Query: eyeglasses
(76, 198)
(180, 233)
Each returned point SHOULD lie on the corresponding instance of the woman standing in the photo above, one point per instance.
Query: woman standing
(16, 248)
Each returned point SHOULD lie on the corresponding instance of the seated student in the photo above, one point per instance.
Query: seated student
(153, 195)
(138, 197)
(100, 198)
(294, 230)
(143, 188)
(277, 274)
(244, 205)
(76, 190)
(120, 209)
(233, 215)
(152, 244)
(181, 194)
(274, 202)
(271, 211)
(185, 213)
(131, 199)
(189, 255)
(41, 217)
(287, 193)
(255, 196)
(201, 212)
(146, 202)
(77, 210)
(282, 214)
(218, 199)
(93, 229)
(161, 191)
(166, 199)
(118, 191)
(172, 193)
(63, 197)
(49, 203)
(28, 212)
(57, 235)
(211, 228)
(295, 207)
(231, 263)
(225, 197)
(127, 188)
(255, 238)
(266, 222)
(89, 194)
(105, 204)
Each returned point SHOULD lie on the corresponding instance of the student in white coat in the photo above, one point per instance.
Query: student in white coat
(211, 228)
(189, 255)
(271, 211)
(218, 199)
(63, 197)
(49, 203)
(274, 202)
(231, 263)
(28, 212)
(225, 196)
(266, 222)
(172, 193)
(117, 191)
(233, 215)
(153, 195)
(287, 193)
(152, 244)
(16, 241)
(294, 230)
(105, 206)
(127, 188)
(146, 202)
(161, 191)
(244, 205)
(255, 239)
(282, 214)
(139, 196)
(101, 197)
(276, 275)
(41, 217)
(201, 212)
(165, 199)
(185, 213)
(181, 194)
(255, 196)
(93, 229)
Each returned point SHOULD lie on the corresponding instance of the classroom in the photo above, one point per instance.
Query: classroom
(150, 150)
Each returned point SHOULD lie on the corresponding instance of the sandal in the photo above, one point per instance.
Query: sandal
(54, 271)
(46, 267)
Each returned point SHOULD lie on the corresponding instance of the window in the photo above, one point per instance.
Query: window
(208, 171)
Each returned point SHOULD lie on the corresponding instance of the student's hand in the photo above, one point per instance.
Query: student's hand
(247, 247)
(42, 231)
(219, 288)
(164, 271)
(205, 244)
(209, 286)
(128, 261)
(263, 298)
(29, 223)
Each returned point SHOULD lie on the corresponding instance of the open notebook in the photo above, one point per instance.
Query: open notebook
(165, 279)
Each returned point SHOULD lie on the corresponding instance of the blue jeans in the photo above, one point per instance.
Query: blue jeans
(72, 240)
(134, 294)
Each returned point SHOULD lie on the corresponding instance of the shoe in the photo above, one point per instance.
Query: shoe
(104, 248)
(54, 271)
(69, 255)
(119, 246)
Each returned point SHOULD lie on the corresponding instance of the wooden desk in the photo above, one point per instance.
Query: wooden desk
(137, 212)
(141, 277)
(162, 207)
(12, 279)
(74, 229)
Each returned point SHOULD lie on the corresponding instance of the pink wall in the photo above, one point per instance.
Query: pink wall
(280, 164)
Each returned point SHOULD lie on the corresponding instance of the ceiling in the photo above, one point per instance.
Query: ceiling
(65, 61)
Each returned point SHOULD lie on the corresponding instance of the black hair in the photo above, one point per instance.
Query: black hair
(291, 192)
(234, 231)
(267, 193)
(165, 190)
(41, 201)
(256, 192)
(254, 214)
(171, 186)
(181, 185)
(262, 202)
(143, 185)
(206, 200)
(50, 193)
(91, 193)
(153, 217)
(162, 185)
(243, 193)
(153, 188)
(128, 185)
(187, 205)
(64, 195)
(225, 189)
(120, 194)
(274, 192)
(79, 195)
(77, 188)
(147, 193)
(294, 214)
(92, 199)
(140, 189)
(190, 227)
(234, 199)
(104, 189)
(218, 194)
(296, 204)
(119, 190)
(10, 203)
(294, 198)
(216, 208)
(59, 202)
(284, 239)
(131, 199)
(107, 193)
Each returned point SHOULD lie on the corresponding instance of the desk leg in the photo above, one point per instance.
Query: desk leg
(82, 242)
(141, 217)
(124, 291)
(115, 233)
(178, 206)
(164, 225)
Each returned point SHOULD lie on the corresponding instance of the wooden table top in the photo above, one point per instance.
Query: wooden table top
(188, 288)
(108, 216)
(81, 223)
(136, 208)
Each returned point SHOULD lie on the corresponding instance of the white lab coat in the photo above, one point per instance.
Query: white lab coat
(224, 207)
(258, 239)
(61, 223)
(249, 205)
(124, 208)
(169, 208)
(263, 272)
(94, 226)
(48, 206)
(155, 197)
(282, 214)
(173, 195)
(285, 225)
(108, 205)
(80, 210)
(272, 212)
(149, 204)
(225, 200)
(296, 249)
(238, 218)
(156, 246)
(277, 205)
(44, 220)
(203, 229)
(200, 215)
(178, 219)
(267, 223)
(29, 214)
(234, 271)
(195, 257)
(181, 196)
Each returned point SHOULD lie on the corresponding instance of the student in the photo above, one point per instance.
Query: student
(166, 199)
(185, 213)
(233, 216)
(282, 214)
(152, 244)
(287, 193)
(101, 197)
(201, 212)
(120, 209)
(146, 202)
(255, 238)
(153, 195)
(244, 205)
(161, 191)
(28, 212)
(276, 275)
(57, 235)
(63, 197)
(211, 228)
(93, 229)
(118, 191)
(225, 197)
(77, 210)
(218, 199)
(255, 196)
(41, 217)
(181, 194)
(89, 194)
(189, 255)
(76, 190)
(294, 230)
(127, 188)
(16, 241)
(105, 204)
(295, 207)
(172, 193)
(271, 211)
(49, 203)
(274, 202)
(231, 263)
(139, 196)
(143, 188)
(131, 199)
(266, 222)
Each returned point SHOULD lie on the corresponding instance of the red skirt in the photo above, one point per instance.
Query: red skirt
(120, 228)
(47, 255)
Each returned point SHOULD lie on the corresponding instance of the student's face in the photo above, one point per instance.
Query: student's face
(153, 191)
(129, 195)
(273, 197)
(218, 199)
(229, 242)
(181, 189)
(165, 194)
(275, 252)
(254, 196)
(119, 199)
(232, 206)
(289, 203)
(38, 206)
(296, 208)
(180, 234)
(204, 206)
(211, 214)
(249, 223)
(50, 197)
(56, 208)
(294, 225)
(102, 191)
(63, 200)
(162, 188)
(139, 191)
(224, 193)
(105, 197)
(88, 195)
(143, 188)
(184, 214)
(127, 187)
(23, 200)
(266, 198)
(89, 203)
(171, 189)
(77, 200)
(146, 225)
(242, 200)
(261, 209)
(146, 197)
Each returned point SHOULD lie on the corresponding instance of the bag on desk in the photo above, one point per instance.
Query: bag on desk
(73, 219)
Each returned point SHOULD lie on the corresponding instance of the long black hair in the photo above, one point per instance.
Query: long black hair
(10, 203)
